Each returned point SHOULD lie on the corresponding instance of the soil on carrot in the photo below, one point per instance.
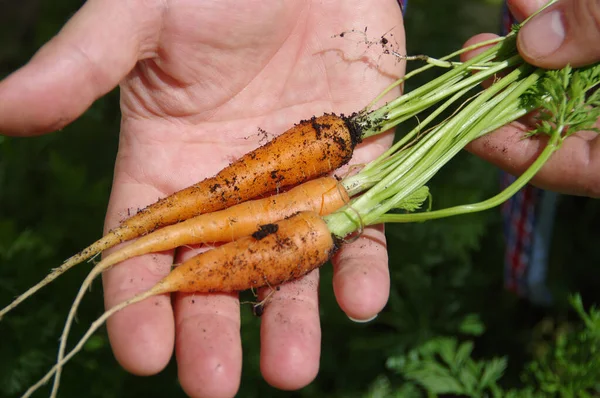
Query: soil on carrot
(264, 231)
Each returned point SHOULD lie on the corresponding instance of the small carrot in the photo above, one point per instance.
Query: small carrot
(276, 253)
(309, 149)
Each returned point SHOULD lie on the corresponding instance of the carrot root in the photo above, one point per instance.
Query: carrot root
(105, 242)
(95, 326)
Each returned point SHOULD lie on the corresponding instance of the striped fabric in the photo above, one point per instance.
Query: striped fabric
(519, 218)
(402, 4)
(528, 218)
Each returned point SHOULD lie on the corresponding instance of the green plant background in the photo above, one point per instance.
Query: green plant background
(448, 313)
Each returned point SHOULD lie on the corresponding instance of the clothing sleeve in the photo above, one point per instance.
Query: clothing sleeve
(402, 4)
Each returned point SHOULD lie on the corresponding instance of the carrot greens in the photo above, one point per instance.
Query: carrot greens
(567, 100)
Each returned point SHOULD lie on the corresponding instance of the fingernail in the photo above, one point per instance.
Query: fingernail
(362, 320)
(543, 35)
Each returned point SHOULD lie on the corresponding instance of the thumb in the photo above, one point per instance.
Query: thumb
(97, 47)
(567, 32)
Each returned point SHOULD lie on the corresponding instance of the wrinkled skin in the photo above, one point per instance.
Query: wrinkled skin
(197, 79)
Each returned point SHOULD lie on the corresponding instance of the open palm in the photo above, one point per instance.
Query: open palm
(202, 83)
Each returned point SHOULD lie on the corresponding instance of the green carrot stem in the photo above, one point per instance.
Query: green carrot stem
(430, 65)
(431, 86)
(395, 155)
(436, 149)
(408, 105)
(429, 167)
(551, 147)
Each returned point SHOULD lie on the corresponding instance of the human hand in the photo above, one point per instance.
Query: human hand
(197, 80)
(575, 168)
(567, 32)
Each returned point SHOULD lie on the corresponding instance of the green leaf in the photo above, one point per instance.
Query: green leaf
(472, 325)
(445, 348)
(415, 200)
(380, 388)
(463, 353)
(492, 372)
(95, 343)
(562, 95)
(434, 378)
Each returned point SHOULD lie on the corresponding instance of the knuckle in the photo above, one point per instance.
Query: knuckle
(587, 13)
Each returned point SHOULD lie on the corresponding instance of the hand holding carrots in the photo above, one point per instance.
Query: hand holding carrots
(197, 81)
(565, 33)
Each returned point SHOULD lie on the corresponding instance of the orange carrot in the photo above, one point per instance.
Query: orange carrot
(309, 149)
(274, 254)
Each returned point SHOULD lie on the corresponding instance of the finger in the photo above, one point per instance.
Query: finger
(573, 169)
(141, 336)
(521, 9)
(473, 53)
(208, 344)
(291, 334)
(90, 55)
(474, 40)
(361, 279)
(568, 32)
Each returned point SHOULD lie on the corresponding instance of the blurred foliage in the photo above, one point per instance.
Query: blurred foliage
(449, 327)
(568, 366)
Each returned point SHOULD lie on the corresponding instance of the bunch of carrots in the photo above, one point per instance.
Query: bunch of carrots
(283, 216)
